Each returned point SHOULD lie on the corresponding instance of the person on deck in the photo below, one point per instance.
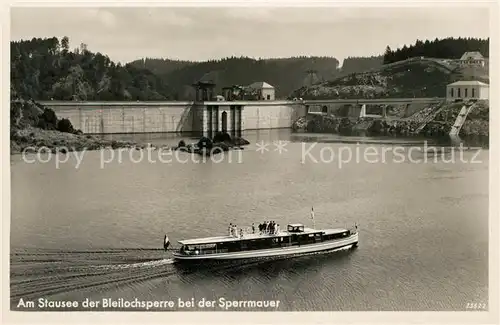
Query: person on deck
(230, 229)
(253, 228)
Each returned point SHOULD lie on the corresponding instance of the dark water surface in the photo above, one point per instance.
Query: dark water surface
(92, 232)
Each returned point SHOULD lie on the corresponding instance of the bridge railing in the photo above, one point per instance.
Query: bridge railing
(369, 101)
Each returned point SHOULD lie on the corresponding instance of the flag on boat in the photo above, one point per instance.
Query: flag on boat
(166, 242)
(312, 213)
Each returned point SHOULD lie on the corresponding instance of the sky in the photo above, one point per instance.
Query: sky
(202, 33)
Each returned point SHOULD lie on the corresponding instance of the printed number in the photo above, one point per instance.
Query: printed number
(471, 305)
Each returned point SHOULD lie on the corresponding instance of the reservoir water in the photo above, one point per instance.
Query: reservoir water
(92, 232)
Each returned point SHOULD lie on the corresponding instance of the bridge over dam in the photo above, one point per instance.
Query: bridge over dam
(207, 117)
(358, 107)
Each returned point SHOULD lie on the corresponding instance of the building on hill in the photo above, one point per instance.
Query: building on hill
(467, 90)
(472, 59)
(263, 90)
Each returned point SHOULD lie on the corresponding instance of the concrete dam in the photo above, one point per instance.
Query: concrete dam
(200, 118)
(203, 117)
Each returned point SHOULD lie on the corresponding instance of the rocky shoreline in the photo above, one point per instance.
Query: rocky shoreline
(35, 127)
(476, 124)
(32, 139)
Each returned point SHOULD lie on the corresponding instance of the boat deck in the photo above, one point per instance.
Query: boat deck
(257, 235)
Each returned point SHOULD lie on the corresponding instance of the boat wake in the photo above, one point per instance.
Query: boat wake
(41, 273)
(152, 263)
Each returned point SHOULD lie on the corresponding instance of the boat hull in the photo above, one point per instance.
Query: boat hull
(282, 252)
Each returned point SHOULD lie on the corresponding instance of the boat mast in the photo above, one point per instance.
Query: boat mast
(312, 217)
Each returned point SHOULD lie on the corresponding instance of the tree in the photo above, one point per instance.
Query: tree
(83, 48)
(65, 44)
(65, 125)
(387, 55)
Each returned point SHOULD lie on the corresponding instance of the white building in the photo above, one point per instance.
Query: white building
(472, 59)
(467, 90)
(264, 90)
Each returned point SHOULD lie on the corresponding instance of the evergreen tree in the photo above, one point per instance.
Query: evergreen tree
(448, 48)
(388, 54)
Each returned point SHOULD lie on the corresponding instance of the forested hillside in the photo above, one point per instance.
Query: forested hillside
(161, 66)
(285, 74)
(447, 48)
(43, 69)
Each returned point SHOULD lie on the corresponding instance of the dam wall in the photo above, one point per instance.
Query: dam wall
(115, 117)
(271, 115)
(168, 117)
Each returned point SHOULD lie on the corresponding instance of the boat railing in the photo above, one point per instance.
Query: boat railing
(200, 252)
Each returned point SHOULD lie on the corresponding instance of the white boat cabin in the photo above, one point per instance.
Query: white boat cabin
(295, 227)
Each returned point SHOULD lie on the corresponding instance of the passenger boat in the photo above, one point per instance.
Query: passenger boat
(295, 240)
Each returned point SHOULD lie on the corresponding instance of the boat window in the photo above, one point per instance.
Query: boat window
(292, 228)
(206, 246)
(337, 235)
